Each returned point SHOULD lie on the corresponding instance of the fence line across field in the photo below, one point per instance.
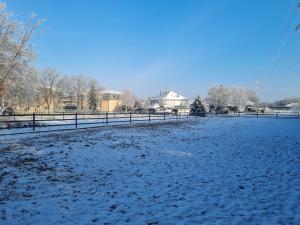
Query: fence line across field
(35, 122)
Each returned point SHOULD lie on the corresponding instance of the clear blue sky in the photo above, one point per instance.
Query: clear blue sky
(188, 46)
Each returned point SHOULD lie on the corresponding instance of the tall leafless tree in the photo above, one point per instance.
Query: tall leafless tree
(49, 79)
(15, 49)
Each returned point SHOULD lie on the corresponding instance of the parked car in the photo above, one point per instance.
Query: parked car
(222, 110)
(163, 110)
(8, 111)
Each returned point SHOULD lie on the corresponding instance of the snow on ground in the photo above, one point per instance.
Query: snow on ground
(205, 171)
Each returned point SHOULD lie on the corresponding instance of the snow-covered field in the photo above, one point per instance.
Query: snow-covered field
(205, 171)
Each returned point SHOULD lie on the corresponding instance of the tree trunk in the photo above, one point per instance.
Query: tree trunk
(2, 101)
(2, 92)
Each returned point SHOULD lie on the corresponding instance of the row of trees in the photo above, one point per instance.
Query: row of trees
(46, 91)
(221, 96)
(50, 91)
(286, 101)
(23, 87)
(222, 99)
(79, 91)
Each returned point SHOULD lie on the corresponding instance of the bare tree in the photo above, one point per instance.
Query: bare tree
(252, 96)
(65, 86)
(49, 79)
(128, 100)
(21, 94)
(219, 96)
(15, 49)
(237, 96)
(80, 86)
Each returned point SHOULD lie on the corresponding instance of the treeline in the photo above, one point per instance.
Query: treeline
(24, 88)
(220, 97)
(286, 101)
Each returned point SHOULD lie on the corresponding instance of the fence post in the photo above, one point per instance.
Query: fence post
(33, 121)
(277, 115)
(164, 116)
(63, 115)
(257, 114)
(298, 114)
(106, 118)
(130, 117)
(149, 117)
(76, 120)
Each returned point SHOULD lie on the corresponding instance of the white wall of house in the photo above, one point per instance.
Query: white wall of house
(171, 100)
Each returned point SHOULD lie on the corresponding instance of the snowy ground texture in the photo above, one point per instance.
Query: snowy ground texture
(204, 171)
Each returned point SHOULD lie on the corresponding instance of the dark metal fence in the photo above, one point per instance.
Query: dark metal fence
(277, 115)
(28, 123)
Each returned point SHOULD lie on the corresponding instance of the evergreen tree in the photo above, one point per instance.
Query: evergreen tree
(197, 107)
(92, 96)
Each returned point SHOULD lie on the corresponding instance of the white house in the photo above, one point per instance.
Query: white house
(170, 100)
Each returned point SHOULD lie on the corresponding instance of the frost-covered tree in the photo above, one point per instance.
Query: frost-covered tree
(137, 104)
(15, 49)
(219, 96)
(65, 87)
(252, 96)
(238, 96)
(21, 94)
(235, 97)
(197, 107)
(128, 99)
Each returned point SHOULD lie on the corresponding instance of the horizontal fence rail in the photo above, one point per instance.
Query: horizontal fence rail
(28, 123)
(292, 115)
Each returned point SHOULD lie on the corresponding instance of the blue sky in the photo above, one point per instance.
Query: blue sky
(185, 45)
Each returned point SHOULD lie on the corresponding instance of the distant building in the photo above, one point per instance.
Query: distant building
(294, 106)
(68, 104)
(110, 101)
(170, 101)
